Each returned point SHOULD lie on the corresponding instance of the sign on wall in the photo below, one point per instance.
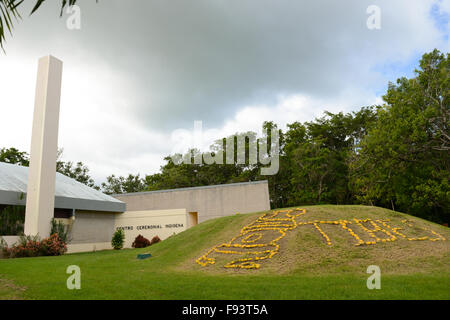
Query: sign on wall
(150, 223)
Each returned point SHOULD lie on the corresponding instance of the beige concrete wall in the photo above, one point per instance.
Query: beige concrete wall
(92, 227)
(89, 247)
(10, 240)
(93, 231)
(210, 202)
(161, 223)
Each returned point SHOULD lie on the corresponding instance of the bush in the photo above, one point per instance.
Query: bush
(53, 246)
(31, 246)
(118, 239)
(141, 242)
(59, 228)
(155, 239)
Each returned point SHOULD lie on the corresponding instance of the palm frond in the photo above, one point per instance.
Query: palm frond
(9, 13)
(64, 3)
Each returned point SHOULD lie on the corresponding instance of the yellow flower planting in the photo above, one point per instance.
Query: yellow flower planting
(322, 233)
(394, 230)
(273, 226)
(259, 240)
(372, 232)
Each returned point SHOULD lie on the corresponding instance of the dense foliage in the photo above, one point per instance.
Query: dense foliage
(154, 240)
(140, 242)
(14, 156)
(31, 246)
(59, 228)
(118, 239)
(118, 185)
(404, 160)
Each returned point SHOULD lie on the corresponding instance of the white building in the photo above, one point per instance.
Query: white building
(92, 217)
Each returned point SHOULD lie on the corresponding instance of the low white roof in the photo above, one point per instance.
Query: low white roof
(69, 193)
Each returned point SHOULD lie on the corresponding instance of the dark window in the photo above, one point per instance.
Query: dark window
(12, 220)
(62, 213)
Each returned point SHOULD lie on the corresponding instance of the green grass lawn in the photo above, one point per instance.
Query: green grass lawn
(305, 268)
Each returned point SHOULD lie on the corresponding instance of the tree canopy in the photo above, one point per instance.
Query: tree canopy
(404, 159)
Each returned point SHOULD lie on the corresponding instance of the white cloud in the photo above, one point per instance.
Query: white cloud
(17, 83)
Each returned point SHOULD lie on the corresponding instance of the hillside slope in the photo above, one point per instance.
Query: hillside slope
(324, 240)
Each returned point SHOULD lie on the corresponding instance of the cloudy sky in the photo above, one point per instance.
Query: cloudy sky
(138, 70)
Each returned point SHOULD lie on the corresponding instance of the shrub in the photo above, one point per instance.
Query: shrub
(155, 239)
(60, 229)
(141, 242)
(118, 239)
(53, 246)
(31, 246)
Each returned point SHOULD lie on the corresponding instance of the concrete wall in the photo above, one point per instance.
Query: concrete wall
(91, 231)
(210, 202)
(161, 223)
(10, 240)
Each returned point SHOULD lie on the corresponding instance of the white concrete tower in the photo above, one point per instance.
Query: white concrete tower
(44, 147)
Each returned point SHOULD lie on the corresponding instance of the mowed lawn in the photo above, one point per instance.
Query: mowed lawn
(305, 268)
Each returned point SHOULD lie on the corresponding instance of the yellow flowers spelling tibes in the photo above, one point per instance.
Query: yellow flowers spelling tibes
(259, 240)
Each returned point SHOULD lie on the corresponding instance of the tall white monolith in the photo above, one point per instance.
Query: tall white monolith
(44, 148)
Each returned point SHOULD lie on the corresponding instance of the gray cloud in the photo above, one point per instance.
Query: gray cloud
(205, 59)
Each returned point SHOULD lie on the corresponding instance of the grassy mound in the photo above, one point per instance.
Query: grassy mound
(404, 245)
(306, 264)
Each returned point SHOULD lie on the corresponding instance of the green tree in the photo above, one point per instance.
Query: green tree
(77, 171)
(317, 154)
(119, 185)
(404, 161)
(14, 156)
(314, 161)
(118, 239)
(181, 174)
